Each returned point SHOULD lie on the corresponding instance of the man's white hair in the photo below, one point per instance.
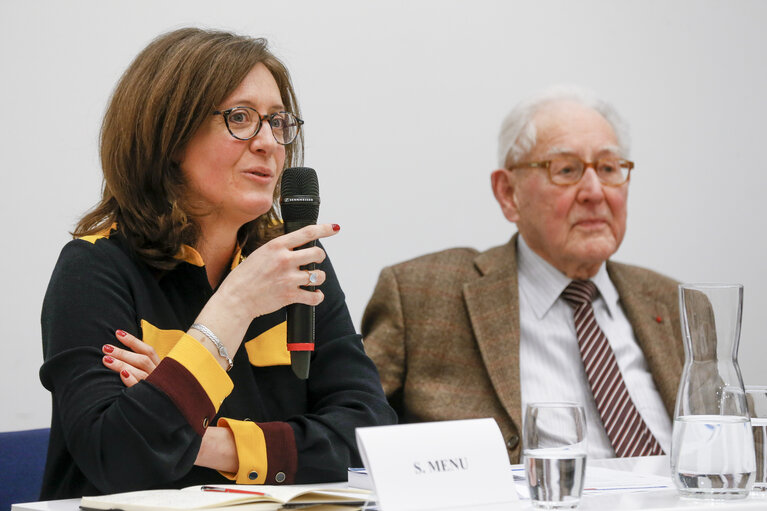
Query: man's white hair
(518, 134)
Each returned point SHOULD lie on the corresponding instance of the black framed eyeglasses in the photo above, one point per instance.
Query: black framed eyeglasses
(567, 170)
(244, 123)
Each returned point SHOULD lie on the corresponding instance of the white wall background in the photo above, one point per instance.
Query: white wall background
(403, 100)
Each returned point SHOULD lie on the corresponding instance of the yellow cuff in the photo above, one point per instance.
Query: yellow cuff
(251, 451)
(161, 340)
(190, 353)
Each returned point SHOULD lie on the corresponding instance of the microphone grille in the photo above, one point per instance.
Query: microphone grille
(300, 182)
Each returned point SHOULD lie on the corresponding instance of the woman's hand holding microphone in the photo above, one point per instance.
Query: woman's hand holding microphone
(267, 280)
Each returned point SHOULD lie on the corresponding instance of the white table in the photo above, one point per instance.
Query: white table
(656, 500)
(48, 505)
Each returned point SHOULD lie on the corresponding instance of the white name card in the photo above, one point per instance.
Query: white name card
(437, 465)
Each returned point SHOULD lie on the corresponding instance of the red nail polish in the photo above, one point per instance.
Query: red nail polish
(336, 227)
(108, 359)
(121, 333)
(108, 348)
(124, 373)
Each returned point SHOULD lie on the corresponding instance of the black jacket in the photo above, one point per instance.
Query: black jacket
(107, 438)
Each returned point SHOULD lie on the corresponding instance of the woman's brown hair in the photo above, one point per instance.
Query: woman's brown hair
(159, 103)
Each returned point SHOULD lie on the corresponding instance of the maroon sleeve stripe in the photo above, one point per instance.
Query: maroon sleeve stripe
(185, 391)
(281, 454)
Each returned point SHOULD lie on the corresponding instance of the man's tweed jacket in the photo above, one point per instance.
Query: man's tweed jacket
(443, 330)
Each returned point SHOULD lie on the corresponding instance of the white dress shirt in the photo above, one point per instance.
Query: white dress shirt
(550, 364)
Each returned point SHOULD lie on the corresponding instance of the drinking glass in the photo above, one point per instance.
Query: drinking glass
(756, 398)
(712, 446)
(554, 451)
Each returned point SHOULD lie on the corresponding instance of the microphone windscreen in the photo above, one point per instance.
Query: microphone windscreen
(300, 195)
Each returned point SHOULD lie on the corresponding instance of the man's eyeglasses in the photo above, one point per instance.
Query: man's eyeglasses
(568, 170)
(244, 123)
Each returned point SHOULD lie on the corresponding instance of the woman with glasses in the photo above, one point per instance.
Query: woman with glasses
(164, 331)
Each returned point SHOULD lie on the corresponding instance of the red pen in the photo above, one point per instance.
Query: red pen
(231, 490)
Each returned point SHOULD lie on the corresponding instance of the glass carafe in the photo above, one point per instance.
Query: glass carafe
(712, 449)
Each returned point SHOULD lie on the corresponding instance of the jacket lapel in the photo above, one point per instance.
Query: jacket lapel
(493, 307)
(654, 323)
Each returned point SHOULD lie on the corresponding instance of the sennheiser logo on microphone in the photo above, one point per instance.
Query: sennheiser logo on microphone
(288, 200)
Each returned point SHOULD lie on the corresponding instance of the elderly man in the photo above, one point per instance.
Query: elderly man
(546, 317)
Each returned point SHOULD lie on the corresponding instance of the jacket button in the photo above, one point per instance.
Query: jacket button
(253, 475)
(512, 442)
(279, 477)
(205, 423)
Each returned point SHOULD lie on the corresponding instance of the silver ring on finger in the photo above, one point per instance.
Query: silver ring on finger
(312, 277)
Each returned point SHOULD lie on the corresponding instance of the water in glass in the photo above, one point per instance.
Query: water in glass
(759, 430)
(713, 454)
(555, 478)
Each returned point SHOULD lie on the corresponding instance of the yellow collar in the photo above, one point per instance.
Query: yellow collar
(192, 256)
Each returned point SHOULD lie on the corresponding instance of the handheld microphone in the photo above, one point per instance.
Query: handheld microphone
(300, 205)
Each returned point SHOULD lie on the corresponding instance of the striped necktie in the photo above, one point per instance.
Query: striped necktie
(625, 428)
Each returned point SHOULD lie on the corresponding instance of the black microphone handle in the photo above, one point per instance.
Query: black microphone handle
(301, 316)
(300, 321)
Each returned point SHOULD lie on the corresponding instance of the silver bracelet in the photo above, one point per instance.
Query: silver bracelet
(212, 337)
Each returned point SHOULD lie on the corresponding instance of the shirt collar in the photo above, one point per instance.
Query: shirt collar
(541, 284)
(190, 255)
(606, 289)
